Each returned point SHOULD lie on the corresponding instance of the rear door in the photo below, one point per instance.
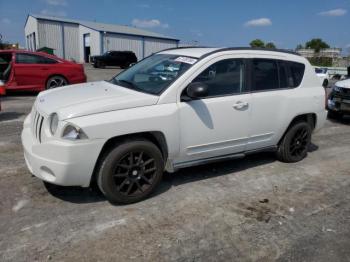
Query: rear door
(119, 58)
(271, 88)
(31, 71)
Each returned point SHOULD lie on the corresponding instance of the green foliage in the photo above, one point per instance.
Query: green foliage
(321, 61)
(257, 43)
(270, 45)
(317, 44)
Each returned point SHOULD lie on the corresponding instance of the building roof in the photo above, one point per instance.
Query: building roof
(109, 28)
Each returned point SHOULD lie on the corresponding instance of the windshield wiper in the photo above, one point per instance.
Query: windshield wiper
(129, 83)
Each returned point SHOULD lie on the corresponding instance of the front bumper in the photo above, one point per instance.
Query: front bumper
(321, 120)
(66, 163)
(339, 104)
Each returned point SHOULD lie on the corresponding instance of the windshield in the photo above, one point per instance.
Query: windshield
(154, 74)
(321, 70)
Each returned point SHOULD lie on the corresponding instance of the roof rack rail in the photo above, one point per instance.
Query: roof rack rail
(183, 47)
(251, 48)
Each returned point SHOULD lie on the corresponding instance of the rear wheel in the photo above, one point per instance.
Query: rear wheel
(56, 81)
(130, 171)
(295, 143)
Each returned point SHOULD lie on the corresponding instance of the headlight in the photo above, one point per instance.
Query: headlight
(73, 133)
(53, 123)
(337, 89)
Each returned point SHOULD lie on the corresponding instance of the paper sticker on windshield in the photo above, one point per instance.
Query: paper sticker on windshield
(187, 60)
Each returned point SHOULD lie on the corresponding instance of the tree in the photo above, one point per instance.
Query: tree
(317, 44)
(300, 46)
(321, 61)
(257, 43)
(270, 45)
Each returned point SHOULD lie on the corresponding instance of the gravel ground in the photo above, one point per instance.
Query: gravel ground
(252, 209)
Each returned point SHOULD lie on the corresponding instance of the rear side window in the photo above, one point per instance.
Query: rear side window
(46, 60)
(265, 74)
(269, 74)
(33, 59)
(223, 78)
(296, 73)
(114, 53)
(283, 74)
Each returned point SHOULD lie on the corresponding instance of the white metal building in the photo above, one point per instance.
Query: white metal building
(77, 40)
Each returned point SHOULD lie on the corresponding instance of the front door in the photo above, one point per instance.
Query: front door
(217, 124)
(31, 71)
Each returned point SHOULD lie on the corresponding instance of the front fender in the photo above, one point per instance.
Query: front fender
(157, 118)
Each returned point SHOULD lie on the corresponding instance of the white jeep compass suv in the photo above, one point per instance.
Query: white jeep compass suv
(177, 108)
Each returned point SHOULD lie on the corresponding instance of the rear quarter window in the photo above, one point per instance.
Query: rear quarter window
(297, 71)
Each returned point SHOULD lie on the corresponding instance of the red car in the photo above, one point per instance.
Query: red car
(37, 71)
(2, 92)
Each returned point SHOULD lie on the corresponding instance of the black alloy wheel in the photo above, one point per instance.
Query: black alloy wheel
(295, 144)
(300, 142)
(134, 173)
(130, 171)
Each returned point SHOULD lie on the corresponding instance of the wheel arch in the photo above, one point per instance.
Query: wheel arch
(310, 118)
(156, 137)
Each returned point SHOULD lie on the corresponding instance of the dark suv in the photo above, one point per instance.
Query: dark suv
(114, 58)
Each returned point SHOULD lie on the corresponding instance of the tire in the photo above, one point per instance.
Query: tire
(125, 182)
(334, 114)
(99, 64)
(325, 83)
(56, 81)
(125, 66)
(295, 143)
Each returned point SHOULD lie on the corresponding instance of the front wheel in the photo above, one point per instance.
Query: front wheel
(130, 171)
(99, 64)
(124, 66)
(295, 143)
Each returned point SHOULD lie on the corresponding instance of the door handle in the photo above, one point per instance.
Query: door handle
(240, 105)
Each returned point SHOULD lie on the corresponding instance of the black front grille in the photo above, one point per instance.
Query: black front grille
(37, 124)
(345, 91)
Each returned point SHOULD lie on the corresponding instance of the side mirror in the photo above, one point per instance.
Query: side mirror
(197, 90)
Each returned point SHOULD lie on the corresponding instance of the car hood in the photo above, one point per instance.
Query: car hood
(343, 83)
(90, 98)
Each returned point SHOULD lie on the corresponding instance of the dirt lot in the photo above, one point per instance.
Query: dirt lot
(253, 209)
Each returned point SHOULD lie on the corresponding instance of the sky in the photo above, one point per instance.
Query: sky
(210, 23)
